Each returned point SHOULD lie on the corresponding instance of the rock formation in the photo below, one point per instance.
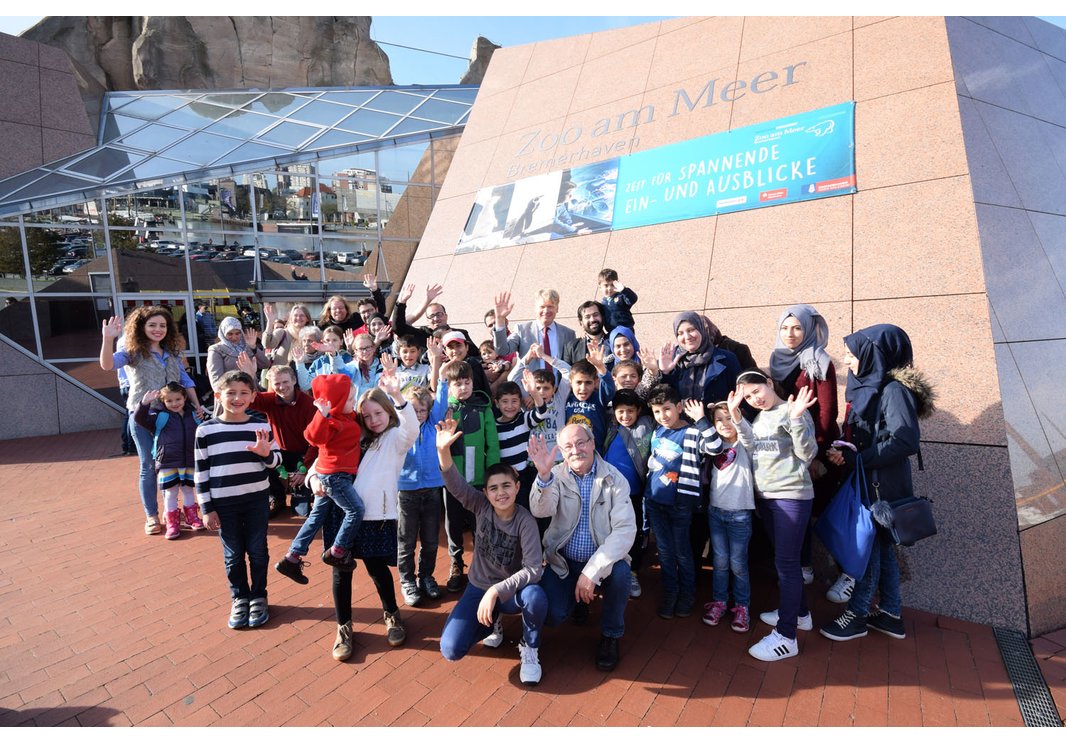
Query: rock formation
(480, 53)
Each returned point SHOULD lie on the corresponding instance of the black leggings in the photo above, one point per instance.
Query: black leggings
(379, 572)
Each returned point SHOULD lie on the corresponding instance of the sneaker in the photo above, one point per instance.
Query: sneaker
(607, 653)
(292, 570)
(173, 524)
(344, 563)
(257, 612)
(713, 613)
(495, 638)
(887, 624)
(455, 577)
(840, 592)
(848, 626)
(808, 575)
(683, 607)
(804, 623)
(342, 646)
(634, 586)
(740, 619)
(238, 614)
(396, 633)
(429, 587)
(774, 647)
(667, 605)
(529, 671)
(151, 525)
(192, 518)
(411, 595)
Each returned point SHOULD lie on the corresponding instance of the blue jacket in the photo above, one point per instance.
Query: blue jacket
(421, 468)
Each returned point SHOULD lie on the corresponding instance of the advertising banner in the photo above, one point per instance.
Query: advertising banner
(798, 158)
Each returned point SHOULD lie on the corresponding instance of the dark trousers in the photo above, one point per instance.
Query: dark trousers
(379, 572)
(785, 521)
(418, 518)
(525, 486)
(243, 530)
(456, 520)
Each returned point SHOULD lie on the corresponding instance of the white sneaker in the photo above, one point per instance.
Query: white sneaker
(529, 672)
(804, 623)
(634, 586)
(495, 638)
(808, 575)
(840, 592)
(774, 647)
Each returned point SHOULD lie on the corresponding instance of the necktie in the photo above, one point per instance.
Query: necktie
(547, 346)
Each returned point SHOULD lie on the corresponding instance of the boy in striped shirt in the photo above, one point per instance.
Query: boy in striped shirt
(513, 426)
(233, 453)
(672, 492)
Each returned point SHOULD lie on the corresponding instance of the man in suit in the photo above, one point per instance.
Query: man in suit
(590, 316)
(552, 337)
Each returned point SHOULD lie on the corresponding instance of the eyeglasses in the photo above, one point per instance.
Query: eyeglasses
(567, 448)
(437, 315)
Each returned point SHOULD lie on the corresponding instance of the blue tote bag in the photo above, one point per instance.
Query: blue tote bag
(846, 528)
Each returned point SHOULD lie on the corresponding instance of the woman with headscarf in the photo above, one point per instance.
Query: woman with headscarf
(694, 366)
(886, 396)
(622, 345)
(799, 360)
(232, 342)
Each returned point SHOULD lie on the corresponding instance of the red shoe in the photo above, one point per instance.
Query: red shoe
(740, 619)
(192, 518)
(173, 524)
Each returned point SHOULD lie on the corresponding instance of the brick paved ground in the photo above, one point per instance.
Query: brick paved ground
(102, 625)
(1050, 652)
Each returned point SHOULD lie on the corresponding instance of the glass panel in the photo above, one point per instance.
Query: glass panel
(242, 124)
(346, 254)
(155, 167)
(357, 201)
(337, 138)
(16, 320)
(52, 184)
(154, 137)
(105, 162)
(412, 125)
(397, 103)
(13, 184)
(290, 251)
(70, 327)
(463, 95)
(269, 196)
(151, 107)
(369, 122)
(442, 111)
(352, 98)
(91, 375)
(321, 112)
(251, 151)
(12, 266)
(202, 148)
(195, 115)
(401, 163)
(279, 104)
(290, 134)
(116, 126)
(236, 100)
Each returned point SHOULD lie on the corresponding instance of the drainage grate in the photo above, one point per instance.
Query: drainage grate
(1030, 689)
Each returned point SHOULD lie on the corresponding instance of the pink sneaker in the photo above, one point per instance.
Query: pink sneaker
(192, 518)
(740, 619)
(173, 524)
(713, 613)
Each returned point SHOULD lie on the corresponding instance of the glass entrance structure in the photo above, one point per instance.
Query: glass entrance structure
(220, 198)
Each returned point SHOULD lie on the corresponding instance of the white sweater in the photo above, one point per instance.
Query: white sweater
(379, 469)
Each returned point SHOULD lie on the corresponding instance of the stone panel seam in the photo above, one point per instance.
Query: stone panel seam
(1033, 405)
(790, 48)
(1020, 208)
(1010, 38)
(1005, 108)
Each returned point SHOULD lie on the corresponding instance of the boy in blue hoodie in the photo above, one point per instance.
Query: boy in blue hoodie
(418, 506)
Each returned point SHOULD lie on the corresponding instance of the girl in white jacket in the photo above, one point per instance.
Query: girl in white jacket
(390, 427)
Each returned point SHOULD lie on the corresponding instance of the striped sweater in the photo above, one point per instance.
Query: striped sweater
(226, 472)
(674, 464)
(514, 436)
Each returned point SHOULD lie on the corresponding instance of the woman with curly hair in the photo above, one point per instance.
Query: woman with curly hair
(151, 356)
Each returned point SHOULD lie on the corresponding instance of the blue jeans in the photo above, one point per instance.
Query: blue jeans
(671, 525)
(561, 599)
(339, 490)
(463, 629)
(882, 575)
(785, 521)
(243, 529)
(142, 437)
(730, 534)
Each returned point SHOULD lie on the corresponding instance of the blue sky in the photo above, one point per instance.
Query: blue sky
(450, 35)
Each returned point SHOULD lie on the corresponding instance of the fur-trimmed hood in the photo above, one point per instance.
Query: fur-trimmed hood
(916, 382)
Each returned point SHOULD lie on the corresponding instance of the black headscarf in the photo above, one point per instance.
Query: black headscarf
(879, 349)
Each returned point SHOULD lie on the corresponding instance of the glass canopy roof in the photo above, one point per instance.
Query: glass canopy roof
(152, 139)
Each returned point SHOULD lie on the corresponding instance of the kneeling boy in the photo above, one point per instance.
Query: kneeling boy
(506, 566)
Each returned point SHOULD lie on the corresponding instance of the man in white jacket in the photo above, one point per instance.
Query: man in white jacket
(592, 529)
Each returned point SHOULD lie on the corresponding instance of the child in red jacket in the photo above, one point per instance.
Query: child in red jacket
(336, 432)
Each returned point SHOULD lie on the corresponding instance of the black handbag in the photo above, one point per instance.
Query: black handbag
(908, 519)
(376, 539)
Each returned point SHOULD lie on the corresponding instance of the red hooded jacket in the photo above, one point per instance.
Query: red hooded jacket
(337, 437)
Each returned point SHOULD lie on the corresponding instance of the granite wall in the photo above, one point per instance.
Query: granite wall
(1010, 80)
(42, 118)
(905, 249)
